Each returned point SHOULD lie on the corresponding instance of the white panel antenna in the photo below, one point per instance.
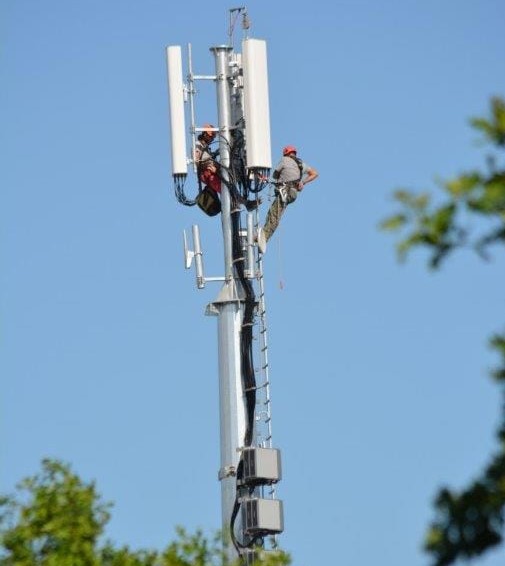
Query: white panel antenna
(176, 99)
(256, 104)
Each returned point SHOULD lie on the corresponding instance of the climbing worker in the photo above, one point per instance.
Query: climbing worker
(290, 176)
(207, 169)
(208, 174)
(205, 159)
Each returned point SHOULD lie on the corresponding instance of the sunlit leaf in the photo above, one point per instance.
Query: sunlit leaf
(411, 199)
(462, 185)
(441, 220)
(493, 128)
(393, 222)
(434, 538)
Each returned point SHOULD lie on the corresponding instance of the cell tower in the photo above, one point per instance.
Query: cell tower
(252, 516)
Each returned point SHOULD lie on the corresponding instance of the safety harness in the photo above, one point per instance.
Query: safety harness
(299, 163)
(282, 189)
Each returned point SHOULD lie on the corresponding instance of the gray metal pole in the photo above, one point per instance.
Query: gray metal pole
(224, 117)
(231, 397)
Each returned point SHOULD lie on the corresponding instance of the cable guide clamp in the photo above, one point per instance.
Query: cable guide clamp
(227, 472)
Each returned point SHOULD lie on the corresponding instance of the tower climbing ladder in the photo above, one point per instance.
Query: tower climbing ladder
(263, 416)
(263, 413)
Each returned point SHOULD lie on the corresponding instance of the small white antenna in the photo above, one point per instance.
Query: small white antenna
(188, 254)
(195, 254)
(200, 279)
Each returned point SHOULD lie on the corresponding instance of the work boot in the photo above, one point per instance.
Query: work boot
(261, 241)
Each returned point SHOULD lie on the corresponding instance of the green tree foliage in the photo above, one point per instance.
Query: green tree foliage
(471, 215)
(55, 519)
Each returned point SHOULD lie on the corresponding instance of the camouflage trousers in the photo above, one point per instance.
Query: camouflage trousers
(283, 196)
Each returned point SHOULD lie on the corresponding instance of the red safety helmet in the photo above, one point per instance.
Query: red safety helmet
(289, 149)
(208, 131)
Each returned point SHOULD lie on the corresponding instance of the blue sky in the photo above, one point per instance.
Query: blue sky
(379, 370)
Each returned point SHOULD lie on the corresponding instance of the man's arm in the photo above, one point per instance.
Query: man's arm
(310, 175)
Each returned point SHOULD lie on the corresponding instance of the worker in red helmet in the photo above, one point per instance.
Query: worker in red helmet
(290, 176)
(207, 167)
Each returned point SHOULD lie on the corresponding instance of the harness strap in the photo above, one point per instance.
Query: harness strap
(299, 163)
